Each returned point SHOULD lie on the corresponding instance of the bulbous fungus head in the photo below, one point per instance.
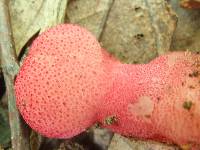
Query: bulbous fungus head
(60, 82)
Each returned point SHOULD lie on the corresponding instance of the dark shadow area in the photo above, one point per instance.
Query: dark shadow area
(2, 86)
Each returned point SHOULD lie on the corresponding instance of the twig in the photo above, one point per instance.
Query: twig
(10, 68)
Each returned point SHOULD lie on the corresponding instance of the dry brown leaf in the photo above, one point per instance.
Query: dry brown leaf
(137, 31)
(91, 14)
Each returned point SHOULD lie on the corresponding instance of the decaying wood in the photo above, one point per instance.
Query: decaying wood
(10, 68)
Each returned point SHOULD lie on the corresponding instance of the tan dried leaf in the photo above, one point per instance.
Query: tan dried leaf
(91, 14)
(119, 142)
(30, 16)
(137, 31)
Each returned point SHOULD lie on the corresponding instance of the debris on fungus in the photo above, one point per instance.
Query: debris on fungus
(110, 120)
(187, 105)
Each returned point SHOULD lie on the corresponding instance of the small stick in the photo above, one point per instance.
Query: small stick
(10, 68)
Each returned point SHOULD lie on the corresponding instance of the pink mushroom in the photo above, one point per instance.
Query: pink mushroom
(68, 82)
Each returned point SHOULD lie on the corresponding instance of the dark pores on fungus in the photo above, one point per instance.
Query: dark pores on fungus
(68, 82)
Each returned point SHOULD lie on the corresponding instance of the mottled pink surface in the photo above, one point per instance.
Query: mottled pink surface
(148, 99)
(61, 82)
(68, 82)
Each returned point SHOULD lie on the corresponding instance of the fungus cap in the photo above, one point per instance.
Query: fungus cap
(60, 83)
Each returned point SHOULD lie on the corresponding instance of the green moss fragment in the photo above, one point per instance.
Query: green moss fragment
(98, 125)
(110, 120)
